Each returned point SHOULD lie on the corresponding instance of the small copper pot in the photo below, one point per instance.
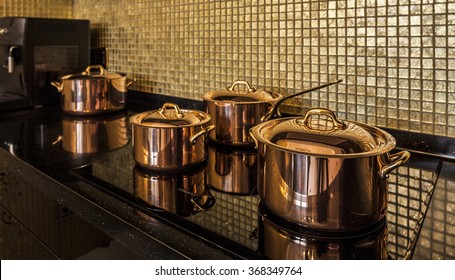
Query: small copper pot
(170, 138)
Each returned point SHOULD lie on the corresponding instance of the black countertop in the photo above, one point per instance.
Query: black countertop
(420, 223)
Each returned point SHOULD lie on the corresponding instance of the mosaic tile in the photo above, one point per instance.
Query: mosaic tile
(391, 54)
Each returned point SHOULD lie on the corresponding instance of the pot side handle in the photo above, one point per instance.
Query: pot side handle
(204, 131)
(256, 142)
(129, 82)
(58, 85)
(397, 160)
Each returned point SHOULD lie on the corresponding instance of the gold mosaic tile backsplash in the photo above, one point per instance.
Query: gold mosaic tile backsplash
(36, 8)
(396, 57)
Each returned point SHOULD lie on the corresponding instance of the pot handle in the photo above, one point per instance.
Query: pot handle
(129, 82)
(166, 105)
(88, 70)
(337, 124)
(274, 113)
(256, 142)
(58, 85)
(204, 131)
(397, 160)
(245, 83)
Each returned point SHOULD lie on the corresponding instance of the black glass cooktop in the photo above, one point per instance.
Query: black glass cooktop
(217, 201)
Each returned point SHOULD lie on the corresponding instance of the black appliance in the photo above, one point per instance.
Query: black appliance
(36, 51)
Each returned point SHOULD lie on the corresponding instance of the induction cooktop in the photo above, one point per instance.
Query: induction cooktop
(238, 221)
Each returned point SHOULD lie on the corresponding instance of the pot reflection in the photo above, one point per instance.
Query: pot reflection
(183, 194)
(82, 135)
(279, 242)
(232, 170)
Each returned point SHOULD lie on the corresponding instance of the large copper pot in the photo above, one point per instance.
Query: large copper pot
(323, 173)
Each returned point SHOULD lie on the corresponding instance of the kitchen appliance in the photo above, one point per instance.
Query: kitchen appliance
(36, 51)
(233, 221)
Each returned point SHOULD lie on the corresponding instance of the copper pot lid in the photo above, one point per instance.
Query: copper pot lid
(170, 116)
(93, 72)
(320, 133)
(244, 94)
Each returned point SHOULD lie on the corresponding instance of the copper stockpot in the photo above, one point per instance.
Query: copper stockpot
(87, 135)
(170, 138)
(323, 173)
(94, 91)
(181, 193)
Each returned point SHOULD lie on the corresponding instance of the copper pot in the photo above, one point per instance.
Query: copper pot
(93, 92)
(323, 173)
(170, 138)
(235, 112)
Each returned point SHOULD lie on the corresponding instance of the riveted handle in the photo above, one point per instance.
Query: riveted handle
(337, 124)
(396, 160)
(167, 105)
(89, 69)
(204, 131)
(58, 85)
(245, 83)
(203, 201)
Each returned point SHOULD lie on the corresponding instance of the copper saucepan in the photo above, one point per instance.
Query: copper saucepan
(234, 112)
(169, 138)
